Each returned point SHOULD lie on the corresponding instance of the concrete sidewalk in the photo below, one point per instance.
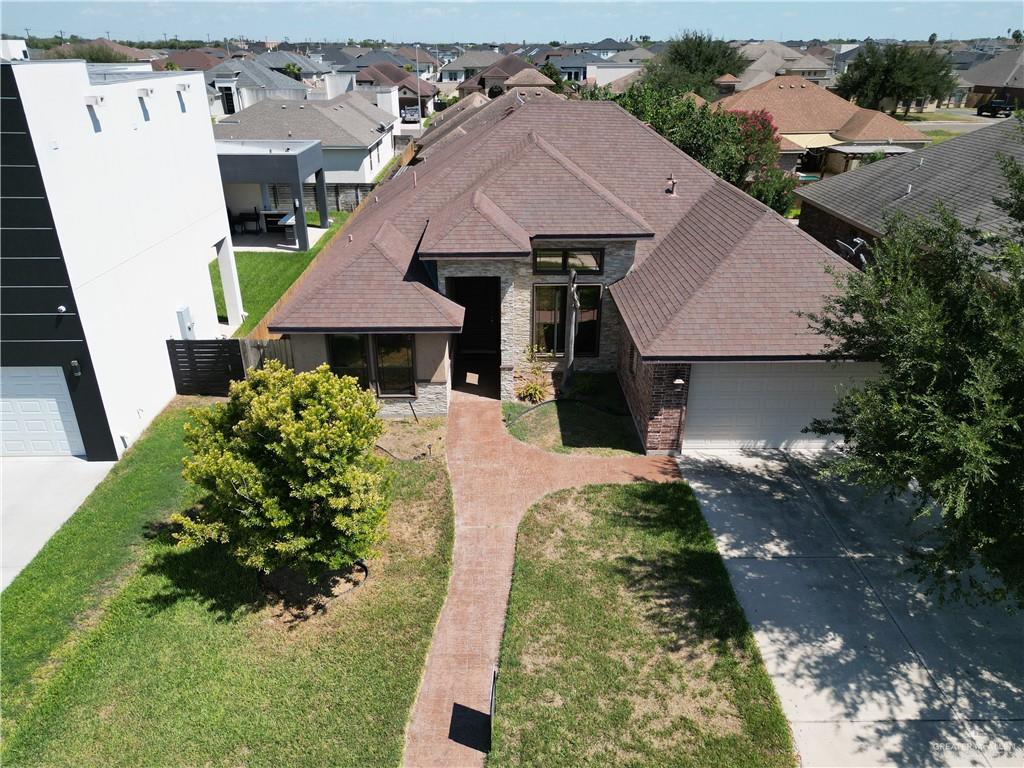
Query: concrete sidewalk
(869, 669)
(36, 496)
(495, 478)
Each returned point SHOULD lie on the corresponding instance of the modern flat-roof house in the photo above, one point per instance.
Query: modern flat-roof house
(963, 173)
(112, 211)
(357, 138)
(462, 267)
(817, 126)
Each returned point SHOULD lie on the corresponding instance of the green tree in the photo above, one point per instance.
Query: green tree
(896, 73)
(95, 54)
(691, 62)
(932, 38)
(294, 71)
(551, 71)
(554, 43)
(945, 318)
(1018, 36)
(741, 147)
(170, 66)
(289, 470)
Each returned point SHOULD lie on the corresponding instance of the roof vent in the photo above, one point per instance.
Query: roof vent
(302, 106)
(284, 106)
(803, 85)
(671, 188)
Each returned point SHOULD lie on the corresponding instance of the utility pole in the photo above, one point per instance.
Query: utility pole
(28, 30)
(107, 31)
(60, 36)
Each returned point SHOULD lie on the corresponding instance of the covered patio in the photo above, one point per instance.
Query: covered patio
(248, 168)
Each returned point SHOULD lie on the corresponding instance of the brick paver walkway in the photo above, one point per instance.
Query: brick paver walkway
(495, 478)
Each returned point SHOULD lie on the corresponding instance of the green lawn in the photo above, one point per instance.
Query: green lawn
(263, 277)
(592, 419)
(939, 135)
(66, 582)
(187, 663)
(625, 644)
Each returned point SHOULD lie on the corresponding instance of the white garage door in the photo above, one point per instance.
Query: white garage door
(763, 405)
(36, 414)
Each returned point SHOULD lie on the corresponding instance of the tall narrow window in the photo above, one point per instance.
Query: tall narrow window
(347, 355)
(395, 364)
(550, 316)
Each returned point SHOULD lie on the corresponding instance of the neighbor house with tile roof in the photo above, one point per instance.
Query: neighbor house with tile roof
(491, 80)
(822, 124)
(240, 83)
(467, 65)
(964, 174)
(534, 225)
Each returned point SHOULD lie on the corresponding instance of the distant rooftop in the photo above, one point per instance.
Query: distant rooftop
(247, 147)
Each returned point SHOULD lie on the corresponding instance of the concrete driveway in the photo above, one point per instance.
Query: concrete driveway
(870, 670)
(36, 496)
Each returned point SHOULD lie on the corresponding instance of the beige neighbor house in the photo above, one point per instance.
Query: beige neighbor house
(822, 133)
(685, 287)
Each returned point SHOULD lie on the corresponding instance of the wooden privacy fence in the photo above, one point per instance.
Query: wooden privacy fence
(208, 366)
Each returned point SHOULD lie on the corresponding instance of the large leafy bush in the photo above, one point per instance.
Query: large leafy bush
(289, 471)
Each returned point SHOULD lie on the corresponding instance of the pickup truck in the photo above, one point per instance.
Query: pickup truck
(996, 108)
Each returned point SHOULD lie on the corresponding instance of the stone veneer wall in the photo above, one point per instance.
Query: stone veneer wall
(657, 406)
(517, 281)
(431, 400)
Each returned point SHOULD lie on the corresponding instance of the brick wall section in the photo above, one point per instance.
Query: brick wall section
(517, 281)
(826, 228)
(656, 404)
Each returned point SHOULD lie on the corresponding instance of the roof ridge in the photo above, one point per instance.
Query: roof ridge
(594, 185)
(495, 214)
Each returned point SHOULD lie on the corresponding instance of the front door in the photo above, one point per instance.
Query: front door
(481, 327)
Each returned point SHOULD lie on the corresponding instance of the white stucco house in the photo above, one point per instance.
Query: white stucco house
(112, 212)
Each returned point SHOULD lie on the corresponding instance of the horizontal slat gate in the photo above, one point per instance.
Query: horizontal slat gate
(205, 367)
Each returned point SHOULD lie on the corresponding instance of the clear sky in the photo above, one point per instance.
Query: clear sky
(485, 21)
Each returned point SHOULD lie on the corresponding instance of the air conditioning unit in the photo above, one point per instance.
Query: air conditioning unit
(94, 101)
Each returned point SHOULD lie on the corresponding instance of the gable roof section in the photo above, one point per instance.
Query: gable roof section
(252, 74)
(472, 60)
(505, 199)
(386, 73)
(722, 276)
(796, 105)
(1004, 71)
(349, 120)
(733, 266)
(608, 44)
(281, 59)
(873, 126)
(963, 173)
(529, 76)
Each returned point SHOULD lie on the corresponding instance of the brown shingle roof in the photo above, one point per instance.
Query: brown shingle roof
(529, 76)
(800, 106)
(796, 105)
(723, 276)
(870, 125)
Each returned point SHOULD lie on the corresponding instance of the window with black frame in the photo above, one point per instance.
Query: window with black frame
(559, 261)
(347, 356)
(394, 353)
(550, 316)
